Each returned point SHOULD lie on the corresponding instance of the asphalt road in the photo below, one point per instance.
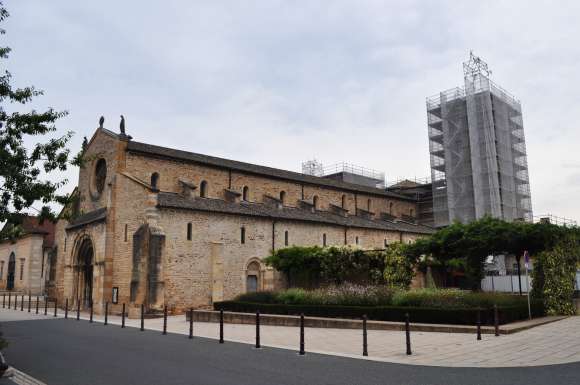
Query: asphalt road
(63, 352)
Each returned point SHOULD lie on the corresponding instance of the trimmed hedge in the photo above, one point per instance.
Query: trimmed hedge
(465, 316)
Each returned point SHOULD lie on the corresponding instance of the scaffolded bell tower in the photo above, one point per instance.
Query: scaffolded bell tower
(477, 149)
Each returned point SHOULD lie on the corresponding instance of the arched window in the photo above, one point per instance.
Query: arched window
(369, 205)
(386, 242)
(324, 240)
(343, 203)
(356, 240)
(283, 197)
(189, 230)
(242, 235)
(391, 208)
(411, 212)
(203, 189)
(286, 238)
(246, 194)
(100, 175)
(315, 202)
(154, 181)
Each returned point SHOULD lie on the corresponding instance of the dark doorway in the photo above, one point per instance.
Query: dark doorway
(85, 259)
(11, 272)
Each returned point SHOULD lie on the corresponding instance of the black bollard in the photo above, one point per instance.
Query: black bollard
(78, 309)
(258, 329)
(66, 309)
(22, 303)
(221, 326)
(496, 320)
(106, 313)
(164, 320)
(16, 302)
(29, 302)
(408, 334)
(91, 312)
(55, 307)
(191, 323)
(142, 317)
(301, 351)
(123, 316)
(37, 300)
(479, 324)
(9, 300)
(365, 347)
(45, 305)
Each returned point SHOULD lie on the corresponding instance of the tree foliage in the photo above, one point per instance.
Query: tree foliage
(399, 269)
(22, 169)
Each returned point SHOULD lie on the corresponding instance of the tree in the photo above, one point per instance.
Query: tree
(21, 169)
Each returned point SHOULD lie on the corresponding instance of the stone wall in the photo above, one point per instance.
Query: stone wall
(28, 273)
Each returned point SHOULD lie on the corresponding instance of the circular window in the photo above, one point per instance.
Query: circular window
(100, 175)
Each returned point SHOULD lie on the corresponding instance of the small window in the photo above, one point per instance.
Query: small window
(243, 235)
(189, 226)
(22, 269)
(315, 202)
(391, 208)
(246, 194)
(154, 180)
(285, 241)
(203, 189)
(125, 232)
(343, 203)
(283, 197)
(411, 212)
(369, 205)
(356, 240)
(324, 240)
(386, 242)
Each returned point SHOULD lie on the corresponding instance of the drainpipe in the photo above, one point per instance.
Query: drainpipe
(273, 235)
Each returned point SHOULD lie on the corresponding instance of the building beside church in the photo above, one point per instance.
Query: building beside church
(159, 226)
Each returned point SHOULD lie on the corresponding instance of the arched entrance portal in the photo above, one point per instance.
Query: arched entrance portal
(11, 272)
(84, 269)
(253, 277)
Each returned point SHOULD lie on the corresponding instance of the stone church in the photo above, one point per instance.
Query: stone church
(159, 226)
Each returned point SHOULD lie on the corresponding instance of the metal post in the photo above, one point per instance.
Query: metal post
(142, 317)
(519, 274)
(165, 320)
(16, 302)
(496, 320)
(365, 346)
(9, 299)
(78, 309)
(66, 309)
(91, 312)
(45, 305)
(191, 323)
(479, 324)
(258, 329)
(301, 352)
(37, 300)
(221, 326)
(55, 303)
(22, 303)
(29, 302)
(106, 313)
(123, 316)
(408, 334)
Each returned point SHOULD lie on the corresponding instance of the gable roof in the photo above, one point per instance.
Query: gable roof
(164, 152)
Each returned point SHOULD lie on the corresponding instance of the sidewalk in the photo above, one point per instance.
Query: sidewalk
(554, 343)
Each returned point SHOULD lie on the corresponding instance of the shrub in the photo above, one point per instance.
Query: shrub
(398, 270)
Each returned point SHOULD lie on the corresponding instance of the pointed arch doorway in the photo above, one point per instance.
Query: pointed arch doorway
(84, 264)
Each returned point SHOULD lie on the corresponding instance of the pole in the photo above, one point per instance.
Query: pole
(519, 274)
(66, 309)
(408, 334)
(221, 326)
(164, 320)
(191, 323)
(45, 305)
(106, 313)
(3, 300)
(123, 316)
(496, 320)
(29, 302)
(78, 309)
(479, 324)
(91, 316)
(528, 286)
(257, 329)
(22, 303)
(301, 352)
(142, 317)
(55, 303)
(37, 304)
(365, 347)
(9, 299)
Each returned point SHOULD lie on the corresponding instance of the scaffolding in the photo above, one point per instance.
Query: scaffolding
(477, 151)
(345, 171)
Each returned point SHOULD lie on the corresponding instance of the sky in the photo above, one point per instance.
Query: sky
(281, 82)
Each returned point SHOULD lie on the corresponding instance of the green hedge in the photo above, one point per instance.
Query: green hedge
(465, 316)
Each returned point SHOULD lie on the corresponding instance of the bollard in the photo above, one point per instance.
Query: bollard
(496, 320)
(301, 351)
(191, 323)
(78, 309)
(164, 320)
(408, 334)
(221, 326)
(123, 316)
(66, 309)
(29, 301)
(479, 324)
(91, 312)
(37, 300)
(365, 347)
(55, 307)
(16, 302)
(142, 317)
(22, 303)
(106, 313)
(45, 305)
(258, 329)
(9, 298)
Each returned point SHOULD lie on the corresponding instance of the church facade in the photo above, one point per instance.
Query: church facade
(163, 227)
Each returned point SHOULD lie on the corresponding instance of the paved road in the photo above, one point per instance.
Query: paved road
(63, 352)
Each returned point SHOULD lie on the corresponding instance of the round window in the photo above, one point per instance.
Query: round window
(100, 175)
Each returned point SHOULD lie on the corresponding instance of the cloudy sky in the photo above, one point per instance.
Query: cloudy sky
(279, 82)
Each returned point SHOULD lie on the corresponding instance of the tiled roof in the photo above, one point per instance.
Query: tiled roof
(177, 201)
(165, 152)
(90, 217)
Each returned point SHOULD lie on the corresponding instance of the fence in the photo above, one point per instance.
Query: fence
(511, 283)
